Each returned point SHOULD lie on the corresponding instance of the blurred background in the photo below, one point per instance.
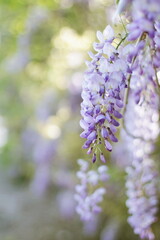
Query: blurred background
(43, 46)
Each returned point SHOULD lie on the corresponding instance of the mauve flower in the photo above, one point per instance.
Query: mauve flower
(133, 65)
(143, 14)
(143, 129)
(87, 204)
(102, 94)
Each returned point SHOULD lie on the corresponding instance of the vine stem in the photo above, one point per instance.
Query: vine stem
(122, 40)
(157, 82)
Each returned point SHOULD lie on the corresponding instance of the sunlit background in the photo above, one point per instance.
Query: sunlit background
(43, 47)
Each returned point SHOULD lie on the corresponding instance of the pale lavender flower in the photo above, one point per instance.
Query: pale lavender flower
(122, 6)
(144, 14)
(88, 204)
(142, 130)
(143, 75)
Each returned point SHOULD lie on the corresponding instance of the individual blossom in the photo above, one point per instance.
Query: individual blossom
(88, 203)
(121, 7)
(102, 94)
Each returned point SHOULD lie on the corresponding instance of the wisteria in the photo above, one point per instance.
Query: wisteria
(121, 82)
(88, 202)
(103, 87)
(80, 119)
(141, 172)
(141, 124)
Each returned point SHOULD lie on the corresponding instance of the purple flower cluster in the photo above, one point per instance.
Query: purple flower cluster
(143, 77)
(142, 199)
(145, 28)
(142, 123)
(88, 203)
(126, 72)
(144, 14)
(102, 94)
(141, 118)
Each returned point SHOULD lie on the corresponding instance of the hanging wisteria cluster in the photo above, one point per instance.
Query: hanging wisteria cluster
(141, 173)
(121, 87)
(88, 202)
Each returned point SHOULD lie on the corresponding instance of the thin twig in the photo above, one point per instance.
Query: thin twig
(122, 40)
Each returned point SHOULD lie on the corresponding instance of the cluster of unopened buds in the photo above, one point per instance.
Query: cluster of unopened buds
(122, 79)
